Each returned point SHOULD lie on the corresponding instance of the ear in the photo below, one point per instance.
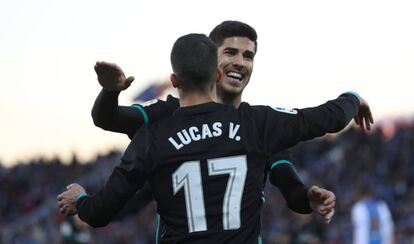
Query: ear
(174, 81)
(219, 74)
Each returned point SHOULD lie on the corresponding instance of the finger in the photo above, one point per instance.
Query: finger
(329, 206)
(329, 216)
(128, 81)
(356, 120)
(371, 118)
(61, 204)
(106, 64)
(330, 198)
(62, 210)
(361, 121)
(62, 196)
(97, 67)
(69, 186)
(367, 124)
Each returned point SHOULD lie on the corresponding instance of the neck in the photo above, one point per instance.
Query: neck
(195, 98)
(229, 99)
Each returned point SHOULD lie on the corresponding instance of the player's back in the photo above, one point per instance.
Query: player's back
(207, 175)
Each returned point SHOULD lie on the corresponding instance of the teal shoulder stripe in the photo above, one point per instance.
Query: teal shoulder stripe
(353, 94)
(263, 197)
(141, 109)
(279, 162)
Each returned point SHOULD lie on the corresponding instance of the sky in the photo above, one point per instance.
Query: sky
(308, 52)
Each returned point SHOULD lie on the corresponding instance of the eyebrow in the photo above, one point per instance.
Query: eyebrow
(236, 50)
(231, 49)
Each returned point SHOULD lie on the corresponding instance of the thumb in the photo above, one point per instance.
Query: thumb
(129, 80)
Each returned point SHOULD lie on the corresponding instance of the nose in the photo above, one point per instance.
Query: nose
(238, 60)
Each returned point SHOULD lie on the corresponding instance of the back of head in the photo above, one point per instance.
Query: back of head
(231, 28)
(194, 62)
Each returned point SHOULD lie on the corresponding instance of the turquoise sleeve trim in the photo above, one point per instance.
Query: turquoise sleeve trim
(259, 239)
(81, 195)
(157, 228)
(353, 94)
(141, 109)
(279, 162)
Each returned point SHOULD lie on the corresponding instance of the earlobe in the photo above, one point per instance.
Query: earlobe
(174, 80)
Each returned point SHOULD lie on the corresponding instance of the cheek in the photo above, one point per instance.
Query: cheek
(223, 61)
(250, 69)
(220, 64)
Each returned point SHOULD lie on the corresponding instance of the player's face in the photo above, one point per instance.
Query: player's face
(236, 56)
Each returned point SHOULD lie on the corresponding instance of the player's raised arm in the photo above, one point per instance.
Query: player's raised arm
(106, 112)
(108, 115)
(334, 115)
(285, 128)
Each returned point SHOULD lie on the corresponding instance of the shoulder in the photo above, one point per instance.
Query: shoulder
(266, 108)
(171, 100)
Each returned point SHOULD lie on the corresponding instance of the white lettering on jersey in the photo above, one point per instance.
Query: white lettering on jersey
(206, 132)
(193, 130)
(217, 129)
(185, 140)
(286, 110)
(233, 131)
(186, 136)
(175, 144)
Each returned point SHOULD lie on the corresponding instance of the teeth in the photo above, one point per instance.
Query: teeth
(235, 75)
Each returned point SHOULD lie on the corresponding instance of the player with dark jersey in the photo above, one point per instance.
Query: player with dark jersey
(205, 163)
(109, 116)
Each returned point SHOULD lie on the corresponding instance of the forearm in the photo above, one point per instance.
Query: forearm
(137, 202)
(105, 109)
(333, 116)
(107, 115)
(292, 188)
(98, 210)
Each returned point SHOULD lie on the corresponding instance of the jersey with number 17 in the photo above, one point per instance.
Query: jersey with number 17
(205, 165)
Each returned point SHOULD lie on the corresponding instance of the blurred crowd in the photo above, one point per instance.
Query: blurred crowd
(382, 159)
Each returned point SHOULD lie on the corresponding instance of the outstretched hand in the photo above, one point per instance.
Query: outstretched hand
(111, 77)
(322, 202)
(364, 117)
(67, 200)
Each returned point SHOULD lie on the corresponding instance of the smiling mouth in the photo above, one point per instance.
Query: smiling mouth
(236, 76)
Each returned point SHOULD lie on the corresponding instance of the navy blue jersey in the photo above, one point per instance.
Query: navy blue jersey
(205, 166)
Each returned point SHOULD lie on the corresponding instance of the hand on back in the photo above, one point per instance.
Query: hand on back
(322, 202)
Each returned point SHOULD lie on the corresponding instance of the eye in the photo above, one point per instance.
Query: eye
(248, 55)
(230, 52)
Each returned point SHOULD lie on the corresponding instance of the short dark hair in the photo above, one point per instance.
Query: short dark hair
(194, 61)
(232, 28)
